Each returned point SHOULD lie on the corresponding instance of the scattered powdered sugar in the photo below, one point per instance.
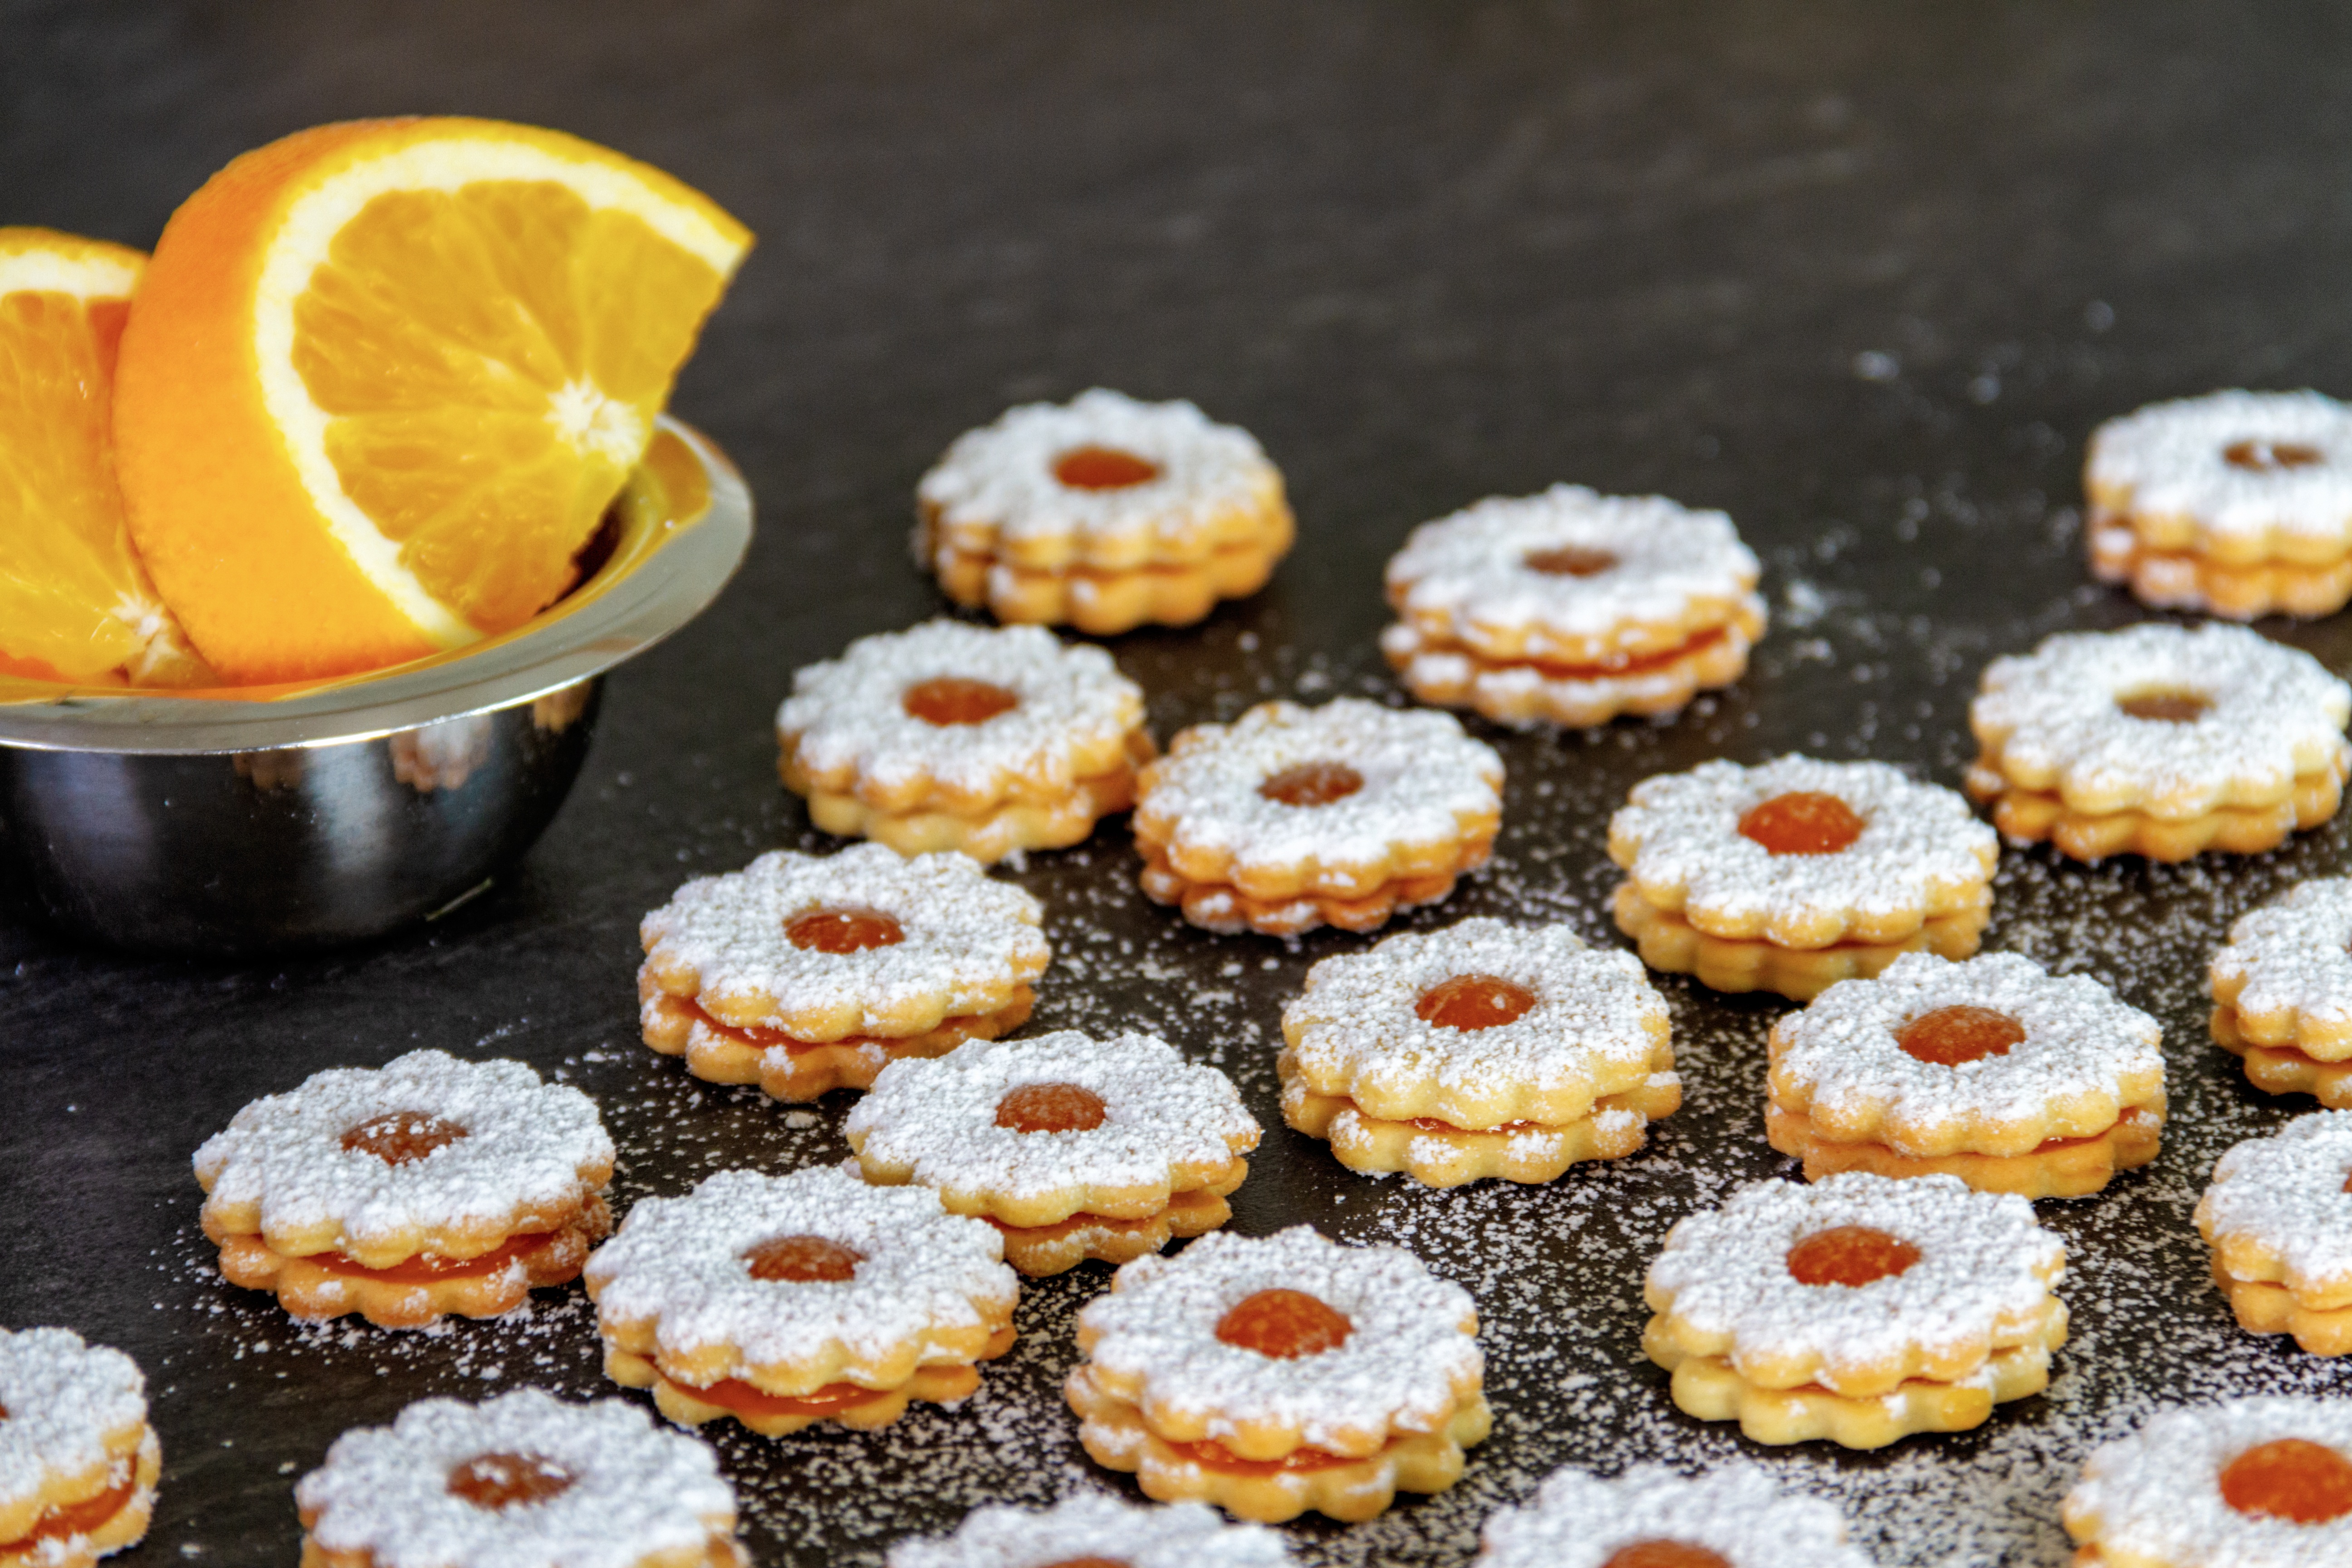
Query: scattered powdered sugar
(2293, 955)
(681, 1261)
(966, 935)
(848, 715)
(2168, 460)
(2285, 1194)
(2156, 1496)
(2080, 1041)
(1579, 1521)
(1678, 837)
(63, 1399)
(938, 1118)
(634, 1491)
(1424, 777)
(1985, 1265)
(1470, 570)
(2051, 717)
(1092, 1526)
(528, 1144)
(1406, 1358)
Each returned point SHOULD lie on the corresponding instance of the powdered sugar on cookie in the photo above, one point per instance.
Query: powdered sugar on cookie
(1579, 1521)
(2235, 465)
(2157, 1495)
(2287, 967)
(65, 1399)
(1097, 1528)
(2284, 1197)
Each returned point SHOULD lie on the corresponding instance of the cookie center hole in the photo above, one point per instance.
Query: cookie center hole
(947, 700)
(1103, 468)
(2260, 456)
(2164, 707)
(1850, 1255)
(1312, 784)
(1568, 560)
(1284, 1324)
(1050, 1108)
(401, 1137)
(803, 1260)
(503, 1481)
(2299, 1482)
(1471, 1002)
(839, 931)
(1802, 822)
(1665, 1554)
(1950, 1035)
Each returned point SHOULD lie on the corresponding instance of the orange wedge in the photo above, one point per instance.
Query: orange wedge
(75, 605)
(383, 379)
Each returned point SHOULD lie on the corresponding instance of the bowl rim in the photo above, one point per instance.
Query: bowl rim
(668, 588)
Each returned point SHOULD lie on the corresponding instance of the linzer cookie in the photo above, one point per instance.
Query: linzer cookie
(2160, 741)
(1797, 874)
(428, 1186)
(1484, 1049)
(990, 740)
(804, 974)
(1651, 1518)
(78, 1462)
(1991, 1070)
(2283, 992)
(1293, 817)
(2236, 503)
(786, 1300)
(2278, 1215)
(2249, 1483)
(1272, 1376)
(524, 1480)
(1072, 1147)
(1859, 1310)
(1103, 512)
(1091, 1531)
(1571, 607)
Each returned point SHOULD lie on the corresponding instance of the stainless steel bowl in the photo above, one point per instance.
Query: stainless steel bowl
(231, 826)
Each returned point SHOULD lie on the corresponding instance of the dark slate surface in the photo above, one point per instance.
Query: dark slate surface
(1427, 253)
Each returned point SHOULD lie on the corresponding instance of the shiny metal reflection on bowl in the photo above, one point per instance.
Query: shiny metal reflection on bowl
(234, 827)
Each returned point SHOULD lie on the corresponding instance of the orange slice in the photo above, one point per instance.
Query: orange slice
(75, 604)
(383, 379)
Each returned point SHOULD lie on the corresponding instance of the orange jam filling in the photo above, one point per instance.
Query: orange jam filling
(2164, 707)
(1284, 1324)
(1211, 1454)
(2050, 1145)
(1050, 1108)
(2261, 456)
(425, 1267)
(733, 1394)
(76, 1517)
(401, 1137)
(1616, 668)
(1432, 1124)
(2301, 1482)
(1103, 468)
(803, 1259)
(1312, 784)
(1473, 1001)
(503, 1481)
(1568, 560)
(1850, 1255)
(839, 931)
(949, 700)
(774, 1039)
(1802, 822)
(1665, 1554)
(1951, 1035)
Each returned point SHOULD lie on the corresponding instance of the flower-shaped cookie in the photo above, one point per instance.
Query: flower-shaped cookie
(1072, 1147)
(2248, 1483)
(524, 1480)
(1860, 1309)
(1651, 1518)
(1104, 512)
(2283, 992)
(1571, 607)
(2278, 1215)
(1090, 1529)
(2239, 503)
(1484, 1049)
(1991, 1070)
(1270, 1377)
(1291, 818)
(1796, 874)
(783, 1300)
(948, 736)
(78, 1461)
(428, 1186)
(805, 973)
(2160, 741)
